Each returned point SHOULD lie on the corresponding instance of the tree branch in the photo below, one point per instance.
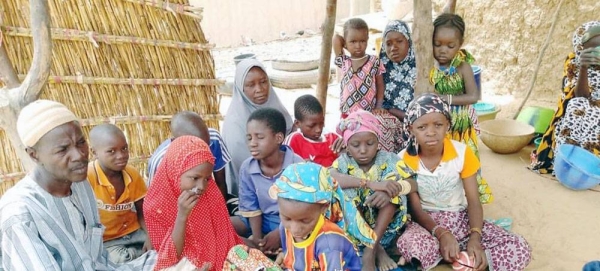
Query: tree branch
(42, 55)
(450, 6)
(7, 71)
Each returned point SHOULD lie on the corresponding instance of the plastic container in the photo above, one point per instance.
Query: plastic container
(483, 107)
(537, 142)
(538, 117)
(237, 59)
(477, 73)
(576, 168)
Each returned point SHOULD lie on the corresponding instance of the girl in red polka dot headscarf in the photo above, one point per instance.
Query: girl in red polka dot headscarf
(185, 213)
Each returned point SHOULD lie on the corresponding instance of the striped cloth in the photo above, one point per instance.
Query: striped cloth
(43, 232)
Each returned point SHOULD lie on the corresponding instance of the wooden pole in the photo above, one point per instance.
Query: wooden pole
(423, 35)
(328, 27)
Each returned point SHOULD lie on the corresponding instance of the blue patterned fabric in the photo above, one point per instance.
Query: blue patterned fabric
(399, 78)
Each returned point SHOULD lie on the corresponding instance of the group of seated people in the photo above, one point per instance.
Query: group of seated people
(341, 206)
(308, 200)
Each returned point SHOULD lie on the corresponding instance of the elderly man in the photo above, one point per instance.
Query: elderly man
(49, 220)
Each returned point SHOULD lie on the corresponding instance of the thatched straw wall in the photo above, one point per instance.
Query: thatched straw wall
(131, 63)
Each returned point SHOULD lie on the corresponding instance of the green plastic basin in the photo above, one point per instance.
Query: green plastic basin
(536, 116)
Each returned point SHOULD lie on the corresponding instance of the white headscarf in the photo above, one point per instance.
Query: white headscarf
(234, 126)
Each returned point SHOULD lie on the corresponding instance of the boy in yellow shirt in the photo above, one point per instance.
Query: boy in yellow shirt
(120, 192)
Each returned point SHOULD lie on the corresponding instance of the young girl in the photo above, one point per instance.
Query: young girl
(186, 215)
(375, 186)
(447, 216)
(398, 56)
(362, 75)
(454, 80)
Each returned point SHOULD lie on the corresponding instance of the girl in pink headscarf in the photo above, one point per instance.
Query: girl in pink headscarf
(376, 181)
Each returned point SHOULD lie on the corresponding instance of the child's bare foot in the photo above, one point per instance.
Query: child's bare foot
(384, 262)
(402, 261)
(368, 259)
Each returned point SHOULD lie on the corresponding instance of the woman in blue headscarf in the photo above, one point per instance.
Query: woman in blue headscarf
(398, 56)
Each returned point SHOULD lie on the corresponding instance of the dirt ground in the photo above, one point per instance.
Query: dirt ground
(561, 225)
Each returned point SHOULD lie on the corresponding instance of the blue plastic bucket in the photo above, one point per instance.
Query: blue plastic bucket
(576, 168)
(477, 73)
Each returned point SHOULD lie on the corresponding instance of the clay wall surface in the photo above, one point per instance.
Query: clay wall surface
(507, 36)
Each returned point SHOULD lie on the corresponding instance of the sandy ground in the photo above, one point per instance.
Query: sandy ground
(562, 226)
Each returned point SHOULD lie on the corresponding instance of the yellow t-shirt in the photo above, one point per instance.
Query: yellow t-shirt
(117, 215)
(443, 190)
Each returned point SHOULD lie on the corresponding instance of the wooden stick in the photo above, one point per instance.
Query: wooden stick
(325, 61)
(193, 12)
(88, 80)
(539, 60)
(423, 33)
(95, 37)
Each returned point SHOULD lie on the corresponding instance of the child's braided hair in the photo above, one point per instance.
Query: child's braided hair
(450, 20)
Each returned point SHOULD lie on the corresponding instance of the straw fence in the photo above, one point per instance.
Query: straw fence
(133, 63)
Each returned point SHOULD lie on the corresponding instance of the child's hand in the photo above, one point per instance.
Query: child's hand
(449, 247)
(205, 267)
(186, 202)
(393, 188)
(338, 40)
(147, 245)
(250, 242)
(338, 43)
(590, 56)
(476, 254)
(279, 259)
(270, 243)
(379, 111)
(338, 145)
(378, 200)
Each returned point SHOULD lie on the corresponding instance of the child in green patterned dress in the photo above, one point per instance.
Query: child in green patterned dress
(454, 81)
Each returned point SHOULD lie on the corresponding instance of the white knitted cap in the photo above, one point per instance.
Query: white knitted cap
(40, 117)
